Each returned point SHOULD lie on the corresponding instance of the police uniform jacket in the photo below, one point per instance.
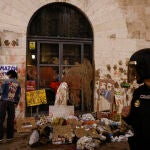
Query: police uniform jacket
(139, 117)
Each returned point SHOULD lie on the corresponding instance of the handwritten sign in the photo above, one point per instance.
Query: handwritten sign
(36, 97)
(61, 111)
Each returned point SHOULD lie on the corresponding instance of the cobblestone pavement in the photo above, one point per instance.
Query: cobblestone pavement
(20, 142)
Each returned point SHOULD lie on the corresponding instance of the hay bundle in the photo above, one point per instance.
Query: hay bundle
(79, 79)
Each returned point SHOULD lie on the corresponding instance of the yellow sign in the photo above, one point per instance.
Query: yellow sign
(31, 45)
(37, 97)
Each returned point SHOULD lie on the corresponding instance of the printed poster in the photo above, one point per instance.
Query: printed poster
(106, 92)
(36, 97)
(5, 68)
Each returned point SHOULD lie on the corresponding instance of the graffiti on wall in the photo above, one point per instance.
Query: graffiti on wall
(10, 44)
(105, 91)
(10, 39)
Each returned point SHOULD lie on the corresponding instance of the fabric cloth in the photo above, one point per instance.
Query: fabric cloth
(34, 137)
(139, 118)
(62, 94)
(10, 90)
(54, 86)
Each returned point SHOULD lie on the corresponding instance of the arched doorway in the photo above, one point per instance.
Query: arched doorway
(60, 38)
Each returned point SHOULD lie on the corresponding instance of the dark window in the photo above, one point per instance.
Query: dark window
(60, 20)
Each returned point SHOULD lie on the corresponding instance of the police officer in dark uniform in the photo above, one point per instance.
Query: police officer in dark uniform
(138, 115)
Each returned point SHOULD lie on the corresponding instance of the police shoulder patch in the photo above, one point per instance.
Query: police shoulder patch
(137, 103)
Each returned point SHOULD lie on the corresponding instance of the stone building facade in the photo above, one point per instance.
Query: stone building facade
(120, 27)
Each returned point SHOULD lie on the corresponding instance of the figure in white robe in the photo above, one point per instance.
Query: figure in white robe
(62, 94)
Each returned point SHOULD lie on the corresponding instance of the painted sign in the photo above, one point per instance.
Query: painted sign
(36, 97)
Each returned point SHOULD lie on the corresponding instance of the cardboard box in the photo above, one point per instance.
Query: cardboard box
(25, 124)
(62, 134)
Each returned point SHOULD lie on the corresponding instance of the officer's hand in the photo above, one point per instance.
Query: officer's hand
(126, 111)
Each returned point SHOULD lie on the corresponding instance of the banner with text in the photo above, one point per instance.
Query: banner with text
(5, 68)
